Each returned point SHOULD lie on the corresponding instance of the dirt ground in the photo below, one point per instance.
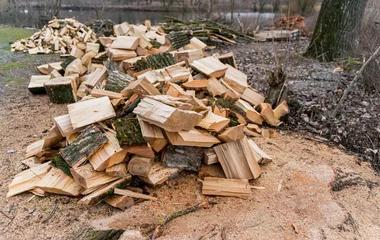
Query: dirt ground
(310, 188)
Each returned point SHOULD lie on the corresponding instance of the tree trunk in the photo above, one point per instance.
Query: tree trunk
(232, 11)
(337, 29)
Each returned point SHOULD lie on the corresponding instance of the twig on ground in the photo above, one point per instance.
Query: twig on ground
(5, 215)
(52, 212)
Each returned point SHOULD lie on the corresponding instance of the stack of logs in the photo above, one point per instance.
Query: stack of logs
(57, 37)
(184, 109)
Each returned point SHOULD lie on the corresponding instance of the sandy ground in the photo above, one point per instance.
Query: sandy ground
(298, 189)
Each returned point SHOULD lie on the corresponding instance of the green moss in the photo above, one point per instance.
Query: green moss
(128, 131)
(60, 163)
(110, 192)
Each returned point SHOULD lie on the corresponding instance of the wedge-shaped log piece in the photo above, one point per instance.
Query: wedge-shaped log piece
(96, 77)
(215, 87)
(251, 114)
(140, 150)
(64, 125)
(177, 102)
(177, 73)
(121, 202)
(62, 90)
(35, 148)
(129, 193)
(75, 67)
(142, 87)
(281, 110)
(160, 174)
(253, 127)
(210, 156)
(92, 47)
(252, 97)
(58, 182)
(117, 170)
(268, 115)
(87, 177)
(196, 85)
(90, 111)
(260, 156)
(237, 160)
(104, 192)
(166, 117)
(236, 79)
(194, 138)
(183, 157)
(36, 84)
(88, 142)
(125, 42)
(76, 52)
(120, 55)
(229, 59)
(28, 179)
(195, 43)
(232, 134)
(189, 55)
(226, 187)
(53, 138)
(104, 93)
(213, 122)
(153, 135)
(140, 166)
(118, 157)
(210, 66)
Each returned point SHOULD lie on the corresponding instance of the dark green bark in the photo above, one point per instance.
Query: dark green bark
(116, 80)
(155, 61)
(60, 163)
(37, 90)
(128, 131)
(60, 94)
(337, 29)
(183, 157)
(67, 61)
(178, 39)
(88, 142)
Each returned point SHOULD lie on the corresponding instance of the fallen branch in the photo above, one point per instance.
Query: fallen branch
(175, 215)
(373, 57)
(52, 212)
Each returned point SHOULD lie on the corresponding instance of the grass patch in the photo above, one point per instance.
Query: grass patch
(10, 34)
(12, 65)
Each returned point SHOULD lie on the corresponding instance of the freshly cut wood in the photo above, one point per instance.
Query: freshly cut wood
(87, 58)
(166, 117)
(62, 90)
(100, 159)
(153, 135)
(268, 133)
(268, 115)
(213, 122)
(260, 156)
(120, 55)
(254, 127)
(160, 174)
(76, 52)
(64, 125)
(36, 84)
(177, 73)
(210, 156)
(210, 66)
(229, 59)
(55, 74)
(87, 177)
(215, 87)
(43, 69)
(93, 47)
(232, 134)
(90, 111)
(88, 142)
(142, 87)
(251, 114)
(183, 157)
(53, 138)
(34, 148)
(118, 157)
(237, 160)
(252, 97)
(58, 182)
(104, 192)
(140, 150)
(226, 187)
(140, 166)
(31, 162)
(174, 90)
(236, 79)
(223, 112)
(104, 93)
(129, 193)
(281, 110)
(96, 77)
(28, 179)
(196, 84)
(250, 133)
(195, 43)
(121, 202)
(106, 41)
(194, 138)
(183, 103)
(75, 67)
(188, 55)
(129, 63)
(213, 170)
(125, 42)
(117, 170)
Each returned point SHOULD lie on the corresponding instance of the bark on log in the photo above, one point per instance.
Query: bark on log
(183, 157)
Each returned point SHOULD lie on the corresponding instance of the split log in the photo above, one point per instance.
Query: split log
(195, 43)
(36, 84)
(226, 187)
(118, 157)
(128, 131)
(160, 174)
(64, 125)
(252, 97)
(88, 142)
(194, 138)
(210, 66)
(93, 47)
(183, 157)
(236, 79)
(229, 59)
(87, 177)
(142, 87)
(116, 80)
(210, 156)
(128, 64)
(66, 62)
(125, 42)
(34, 148)
(260, 156)
(213, 122)
(121, 202)
(60, 163)
(178, 39)
(166, 117)
(140, 166)
(153, 135)
(281, 110)
(223, 112)
(104, 93)
(177, 73)
(140, 150)
(96, 77)
(238, 160)
(76, 52)
(53, 138)
(188, 55)
(120, 55)
(75, 67)
(90, 111)
(232, 134)
(251, 114)
(62, 90)
(117, 170)
(129, 193)
(268, 115)
(215, 87)
(196, 85)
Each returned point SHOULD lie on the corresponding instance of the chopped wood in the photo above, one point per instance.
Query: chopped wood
(140, 166)
(210, 66)
(251, 114)
(88, 142)
(260, 156)
(223, 112)
(34, 148)
(142, 87)
(153, 135)
(90, 111)
(194, 138)
(120, 55)
(125, 42)
(196, 84)
(118, 157)
(177, 102)
(62, 90)
(281, 110)
(213, 122)
(140, 150)
(64, 125)
(53, 138)
(195, 43)
(129, 193)
(232, 134)
(92, 47)
(250, 133)
(183, 157)
(128, 131)
(75, 67)
(129, 63)
(58, 182)
(28, 179)
(117, 170)
(160, 174)
(30, 162)
(226, 187)
(166, 117)
(215, 87)
(100, 159)
(121, 202)
(96, 77)
(268, 115)
(55, 74)
(236, 79)
(188, 55)
(238, 160)
(254, 127)
(210, 156)
(104, 93)
(229, 59)
(87, 177)
(76, 52)
(252, 97)
(36, 84)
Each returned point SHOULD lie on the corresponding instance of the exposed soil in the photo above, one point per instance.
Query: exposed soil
(298, 185)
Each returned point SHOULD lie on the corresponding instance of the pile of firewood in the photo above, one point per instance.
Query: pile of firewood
(182, 110)
(57, 37)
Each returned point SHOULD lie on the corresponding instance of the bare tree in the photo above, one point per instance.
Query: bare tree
(262, 4)
(232, 10)
(304, 7)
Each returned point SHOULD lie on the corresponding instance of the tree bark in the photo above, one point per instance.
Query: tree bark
(337, 29)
